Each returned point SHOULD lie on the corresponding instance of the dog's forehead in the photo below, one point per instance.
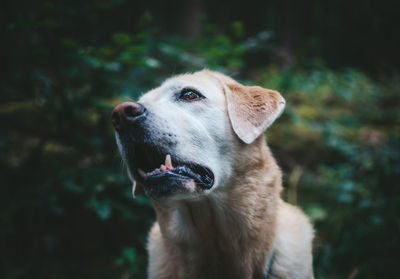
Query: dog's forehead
(202, 78)
(202, 81)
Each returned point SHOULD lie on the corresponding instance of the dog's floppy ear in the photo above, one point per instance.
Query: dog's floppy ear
(252, 109)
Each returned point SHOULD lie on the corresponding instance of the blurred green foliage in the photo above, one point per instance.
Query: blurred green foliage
(340, 136)
(66, 204)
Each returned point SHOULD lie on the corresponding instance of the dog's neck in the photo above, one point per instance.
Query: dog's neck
(230, 232)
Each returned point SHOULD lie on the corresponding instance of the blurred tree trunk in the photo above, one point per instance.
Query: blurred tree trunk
(191, 25)
(290, 11)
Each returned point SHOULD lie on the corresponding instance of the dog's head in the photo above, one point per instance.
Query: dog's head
(181, 139)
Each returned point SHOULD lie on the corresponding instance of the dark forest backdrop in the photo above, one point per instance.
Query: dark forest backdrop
(66, 209)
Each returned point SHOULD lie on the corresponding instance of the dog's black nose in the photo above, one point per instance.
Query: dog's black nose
(127, 113)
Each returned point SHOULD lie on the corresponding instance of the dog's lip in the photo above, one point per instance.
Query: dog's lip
(201, 175)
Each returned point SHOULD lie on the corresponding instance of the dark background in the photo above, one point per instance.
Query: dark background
(66, 204)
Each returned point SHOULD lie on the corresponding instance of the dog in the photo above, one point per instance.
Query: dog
(196, 147)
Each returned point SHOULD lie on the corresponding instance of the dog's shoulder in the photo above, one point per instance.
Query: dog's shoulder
(293, 247)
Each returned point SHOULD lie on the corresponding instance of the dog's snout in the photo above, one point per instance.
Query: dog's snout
(127, 113)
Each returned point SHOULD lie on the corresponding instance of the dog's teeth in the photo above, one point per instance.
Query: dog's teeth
(161, 169)
(142, 173)
(168, 162)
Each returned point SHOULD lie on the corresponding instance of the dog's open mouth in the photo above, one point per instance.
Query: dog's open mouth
(201, 175)
(162, 175)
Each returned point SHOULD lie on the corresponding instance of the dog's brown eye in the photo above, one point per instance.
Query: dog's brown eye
(190, 95)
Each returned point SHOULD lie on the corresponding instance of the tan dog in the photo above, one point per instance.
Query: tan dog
(217, 190)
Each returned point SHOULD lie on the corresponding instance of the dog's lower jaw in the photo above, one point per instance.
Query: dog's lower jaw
(220, 236)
